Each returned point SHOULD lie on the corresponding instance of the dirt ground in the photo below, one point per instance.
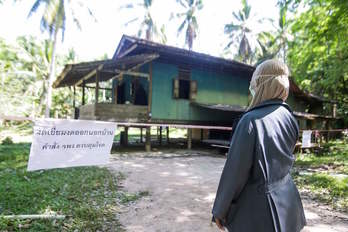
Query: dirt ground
(181, 187)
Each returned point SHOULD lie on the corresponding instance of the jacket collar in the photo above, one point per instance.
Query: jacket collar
(271, 102)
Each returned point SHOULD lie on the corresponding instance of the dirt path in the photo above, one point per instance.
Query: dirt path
(182, 186)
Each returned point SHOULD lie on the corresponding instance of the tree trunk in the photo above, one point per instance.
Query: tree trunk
(51, 76)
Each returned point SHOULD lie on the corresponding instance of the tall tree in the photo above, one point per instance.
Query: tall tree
(53, 20)
(318, 54)
(24, 72)
(240, 33)
(148, 26)
(274, 43)
(190, 20)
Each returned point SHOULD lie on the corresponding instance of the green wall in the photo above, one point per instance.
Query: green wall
(212, 88)
(296, 104)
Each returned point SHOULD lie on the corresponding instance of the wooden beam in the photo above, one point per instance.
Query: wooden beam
(160, 135)
(92, 87)
(134, 46)
(74, 99)
(97, 76)
(83, 92)
(89, 75)
(131, 73)
(149, 59)
(86, 77)
(62, 75)
(167, 134)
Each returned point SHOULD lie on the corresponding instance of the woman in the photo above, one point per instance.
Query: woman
(256, 192)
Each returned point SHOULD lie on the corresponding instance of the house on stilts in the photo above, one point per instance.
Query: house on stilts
(150, 84)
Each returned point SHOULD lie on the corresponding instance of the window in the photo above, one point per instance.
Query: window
(183, 86)
(184, 89)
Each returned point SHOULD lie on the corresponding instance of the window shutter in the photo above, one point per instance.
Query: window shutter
(176, 88)
(193, 90)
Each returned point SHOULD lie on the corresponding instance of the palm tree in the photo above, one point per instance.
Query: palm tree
(239, 32)
(282, 32)
(53, 20)
(275, 43)
(190, 20)
(147, 24)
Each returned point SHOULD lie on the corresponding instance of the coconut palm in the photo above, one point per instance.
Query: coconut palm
(190, 20)
(282, 37)
(53, 20)
(148, 26)
(275, 43)
(240, 33)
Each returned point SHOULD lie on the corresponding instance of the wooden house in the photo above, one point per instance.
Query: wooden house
(151, 84)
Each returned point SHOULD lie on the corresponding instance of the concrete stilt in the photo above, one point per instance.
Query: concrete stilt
(189, 138)
(148, 139)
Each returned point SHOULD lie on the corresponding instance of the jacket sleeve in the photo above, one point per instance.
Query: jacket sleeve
(237, 167)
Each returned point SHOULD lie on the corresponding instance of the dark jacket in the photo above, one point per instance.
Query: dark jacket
(256, 191)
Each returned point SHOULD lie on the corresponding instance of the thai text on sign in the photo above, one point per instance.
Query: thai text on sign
(61, 143)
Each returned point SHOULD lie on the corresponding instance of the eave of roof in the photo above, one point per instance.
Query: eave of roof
(127, 41)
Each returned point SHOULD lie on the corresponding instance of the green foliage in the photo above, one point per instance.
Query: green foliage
(7, 141)
(148, 25)
(318, 54)
(24, 70)
(190, 20)
(86, 195)
(240, 33)
(325, 176)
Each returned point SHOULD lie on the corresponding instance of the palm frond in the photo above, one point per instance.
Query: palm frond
(127, 6)
(131, 21)
(182, 3)
(147, 3)
(35, 6)
(230, 28)
(181, 27)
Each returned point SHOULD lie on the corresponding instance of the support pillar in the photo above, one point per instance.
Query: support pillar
(74, 99)
(141, 135)
(167, 134)
(148, 139)
(160, 135)
(126, 136)
(83, 93)
(189, 138)
(97, 86)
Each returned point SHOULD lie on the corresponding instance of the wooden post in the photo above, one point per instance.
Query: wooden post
(126, 135)
(115, 92)
(97, 86)
(334, 110)
(189, 138)
(148, 139)
(74, 99)
(160, 135)
(167, 134)
(141, 135)
(83, 92)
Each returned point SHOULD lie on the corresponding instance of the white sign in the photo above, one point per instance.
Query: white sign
(306, 138)
(61, 143)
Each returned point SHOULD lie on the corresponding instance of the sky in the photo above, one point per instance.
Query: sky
(102, 36)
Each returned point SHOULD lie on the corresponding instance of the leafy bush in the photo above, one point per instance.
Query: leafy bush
(7, 141)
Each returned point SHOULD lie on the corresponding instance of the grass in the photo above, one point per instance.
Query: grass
(88, 196)
(325, 177)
